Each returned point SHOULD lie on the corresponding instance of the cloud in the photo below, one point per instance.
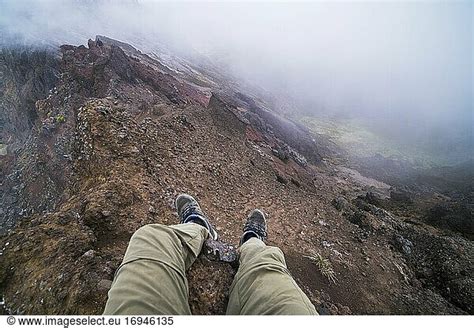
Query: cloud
(408, 64)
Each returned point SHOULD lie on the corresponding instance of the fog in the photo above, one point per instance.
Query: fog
(405, 68)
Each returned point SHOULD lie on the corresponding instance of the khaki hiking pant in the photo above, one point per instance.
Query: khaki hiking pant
(152, 277)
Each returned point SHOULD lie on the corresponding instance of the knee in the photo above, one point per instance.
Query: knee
(259, 253)
(150, 230)
(274, 254)
(150, 240)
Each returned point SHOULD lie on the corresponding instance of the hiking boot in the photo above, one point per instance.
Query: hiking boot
(255, 227)
(189, 211)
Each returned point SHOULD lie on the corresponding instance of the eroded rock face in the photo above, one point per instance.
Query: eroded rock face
(26, 75)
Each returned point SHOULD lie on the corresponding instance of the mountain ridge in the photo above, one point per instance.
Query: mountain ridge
(120, 134)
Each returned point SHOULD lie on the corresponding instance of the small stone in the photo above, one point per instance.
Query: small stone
(325, 244)
(403, 244)
(89, 253)
(104, 284)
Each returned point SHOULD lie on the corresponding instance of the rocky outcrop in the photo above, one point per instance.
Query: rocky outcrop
(26, 75)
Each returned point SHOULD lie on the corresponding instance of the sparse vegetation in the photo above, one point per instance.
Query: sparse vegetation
(60, 118)
(357, 138)
(324, 266)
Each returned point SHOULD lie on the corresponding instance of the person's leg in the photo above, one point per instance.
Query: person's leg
(263, 284)
(151, 278)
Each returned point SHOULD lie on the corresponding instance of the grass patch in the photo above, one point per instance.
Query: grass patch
(356, 138)
(60, 118)
(324, 266)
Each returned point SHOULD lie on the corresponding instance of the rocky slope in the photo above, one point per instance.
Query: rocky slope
(111, 135)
